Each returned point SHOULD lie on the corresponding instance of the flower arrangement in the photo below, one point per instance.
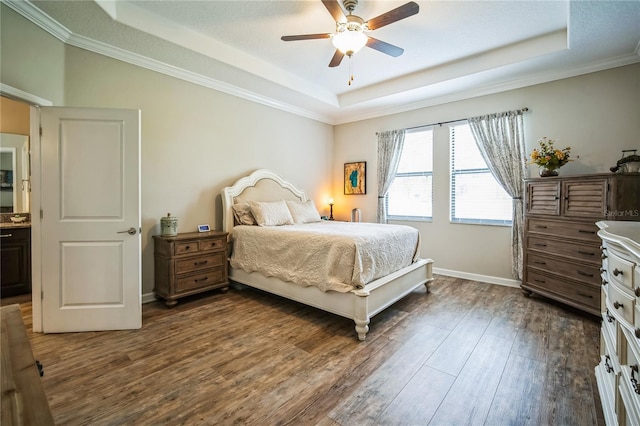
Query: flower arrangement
(548, 157)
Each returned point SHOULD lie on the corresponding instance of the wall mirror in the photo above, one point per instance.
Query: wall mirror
(15, 173)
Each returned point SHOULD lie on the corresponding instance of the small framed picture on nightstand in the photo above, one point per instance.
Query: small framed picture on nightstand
(203, 228)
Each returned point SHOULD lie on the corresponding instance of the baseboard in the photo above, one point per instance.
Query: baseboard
(148, 297)
(477, 277)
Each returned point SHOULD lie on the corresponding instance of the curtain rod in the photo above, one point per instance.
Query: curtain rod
(520, 111)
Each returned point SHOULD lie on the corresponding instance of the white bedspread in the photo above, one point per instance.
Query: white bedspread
(331, 255)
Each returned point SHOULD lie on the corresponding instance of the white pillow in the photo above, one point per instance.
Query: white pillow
(271, 214)
(243, 215)
(303, 211)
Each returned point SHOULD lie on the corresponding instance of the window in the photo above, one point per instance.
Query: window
(410, 195)
(476, 196)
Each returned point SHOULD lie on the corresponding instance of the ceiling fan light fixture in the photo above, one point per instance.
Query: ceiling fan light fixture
(349, 41)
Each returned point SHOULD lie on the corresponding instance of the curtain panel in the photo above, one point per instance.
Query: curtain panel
(500, 139)
(390, 145)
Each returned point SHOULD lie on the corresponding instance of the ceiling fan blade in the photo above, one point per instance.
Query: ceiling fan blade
(335, 10)
(384, 47)
(337, 58)
(304, 37)
(394, 15)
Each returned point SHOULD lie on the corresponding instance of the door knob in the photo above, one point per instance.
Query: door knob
(130, 231)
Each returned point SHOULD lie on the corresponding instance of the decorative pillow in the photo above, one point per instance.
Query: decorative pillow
(303, 211)
(242, 214)
(271, 214)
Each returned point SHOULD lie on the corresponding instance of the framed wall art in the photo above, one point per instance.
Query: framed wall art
(355, 178)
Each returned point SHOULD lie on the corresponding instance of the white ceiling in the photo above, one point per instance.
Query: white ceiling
(453, 49)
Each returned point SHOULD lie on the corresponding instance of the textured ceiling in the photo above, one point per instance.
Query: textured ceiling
(453, 49)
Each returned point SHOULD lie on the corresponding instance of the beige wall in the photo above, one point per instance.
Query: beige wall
(597, 114)
(32, 60)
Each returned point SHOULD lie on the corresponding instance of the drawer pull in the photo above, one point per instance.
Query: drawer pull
(637, 333)
(634, 381)
(610, 318)
(539, 281)
(605, 282)
(617, 272)
(584, 231)
(199, 280)
(187, 248)
(539, 244)
(587, 253)
(202, 262)
(618, 305)
(602, 270)
(579, 293)
(537, 262)
(40, 368)
(541, 226)
(584, 274)
(606, 364)
(604, 256)
(6, 235)
(637, 291)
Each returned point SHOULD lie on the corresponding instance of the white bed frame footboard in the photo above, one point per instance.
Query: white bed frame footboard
(358, 305)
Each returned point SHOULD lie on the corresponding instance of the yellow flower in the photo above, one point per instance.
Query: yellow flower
(559, 154)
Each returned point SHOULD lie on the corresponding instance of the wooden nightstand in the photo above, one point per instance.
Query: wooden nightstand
(190, 263)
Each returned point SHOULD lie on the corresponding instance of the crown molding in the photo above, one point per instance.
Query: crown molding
(45, 22)
(532, 80)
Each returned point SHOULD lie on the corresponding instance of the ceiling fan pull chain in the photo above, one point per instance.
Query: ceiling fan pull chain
(350, 69)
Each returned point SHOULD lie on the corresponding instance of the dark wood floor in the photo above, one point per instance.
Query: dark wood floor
(466, 353)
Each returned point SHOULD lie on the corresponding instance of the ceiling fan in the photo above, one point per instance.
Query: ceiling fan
(350, 29)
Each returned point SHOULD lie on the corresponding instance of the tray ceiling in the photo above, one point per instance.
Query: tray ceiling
(452, 49)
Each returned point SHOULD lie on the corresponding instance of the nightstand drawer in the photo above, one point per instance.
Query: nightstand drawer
(207, 245)
(198, 263)
(186, 247)
(193, 282)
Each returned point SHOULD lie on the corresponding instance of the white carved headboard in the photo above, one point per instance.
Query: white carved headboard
(261, 185)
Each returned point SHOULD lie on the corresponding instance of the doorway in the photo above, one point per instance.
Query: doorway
(15, 214)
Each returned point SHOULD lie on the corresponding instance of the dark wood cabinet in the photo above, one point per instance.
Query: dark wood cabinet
(190, 263)
(15, 261)
(561, 245)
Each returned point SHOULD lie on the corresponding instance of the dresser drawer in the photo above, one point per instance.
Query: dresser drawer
(583, 294)
(585, 273)
(198, 281)
(582, 231)
(583, 251)
(199, 262)
(620, 270)
(621, 304)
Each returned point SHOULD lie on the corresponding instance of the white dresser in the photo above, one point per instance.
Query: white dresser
(618, 374)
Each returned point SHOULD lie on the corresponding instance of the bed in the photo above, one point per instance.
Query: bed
(367, 294)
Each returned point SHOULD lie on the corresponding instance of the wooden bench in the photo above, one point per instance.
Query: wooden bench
(23, 399)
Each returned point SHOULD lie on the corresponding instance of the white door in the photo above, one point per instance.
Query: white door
(90, 219)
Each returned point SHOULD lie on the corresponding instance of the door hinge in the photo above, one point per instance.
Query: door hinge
(40, 130)
(41, 295)
(41, 214)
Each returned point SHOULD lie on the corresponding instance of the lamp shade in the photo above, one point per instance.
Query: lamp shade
(349, 41)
